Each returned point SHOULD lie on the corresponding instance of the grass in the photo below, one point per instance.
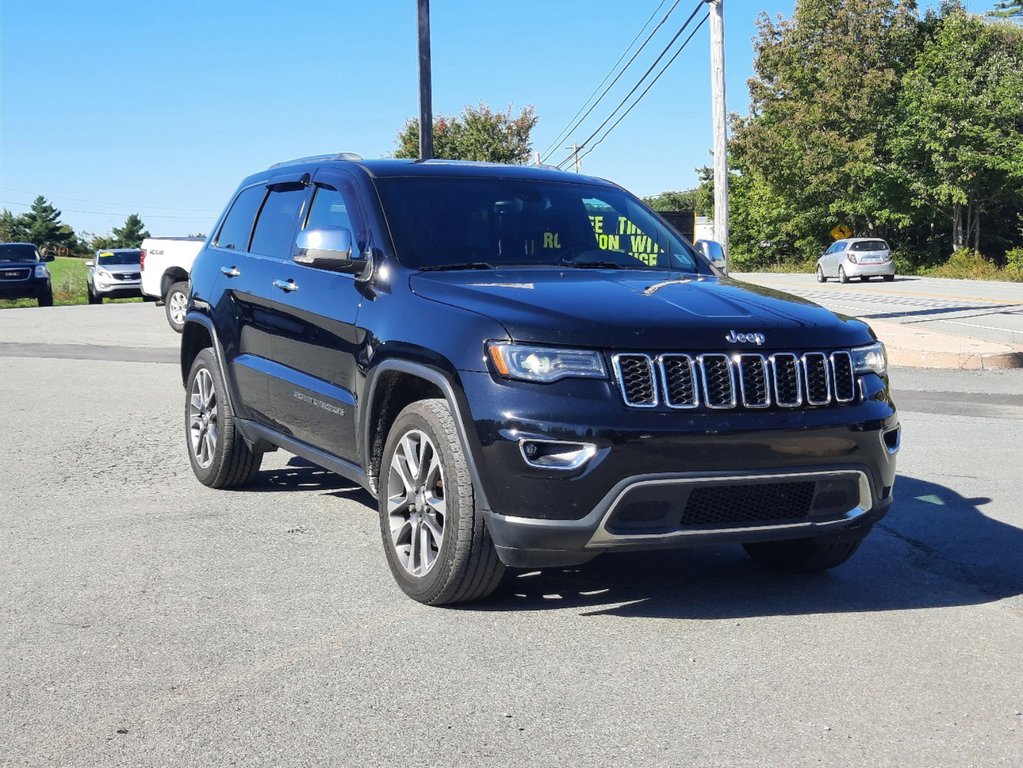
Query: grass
(67, 276)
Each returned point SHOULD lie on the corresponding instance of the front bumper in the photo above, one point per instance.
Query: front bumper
(121, 289)
(653, 460)
(24, 289)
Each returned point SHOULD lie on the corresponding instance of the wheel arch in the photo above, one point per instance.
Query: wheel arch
(396, 383)
(198, 334)
(170, 276)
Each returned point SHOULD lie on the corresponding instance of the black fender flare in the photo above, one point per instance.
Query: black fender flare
(447, 388)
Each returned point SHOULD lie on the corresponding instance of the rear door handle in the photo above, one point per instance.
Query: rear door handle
(286, 285)
(230, 271)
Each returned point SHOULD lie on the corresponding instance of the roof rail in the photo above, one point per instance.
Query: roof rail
(319, 159)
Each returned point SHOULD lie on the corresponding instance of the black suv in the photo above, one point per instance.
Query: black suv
(23, 274)
(527, 368)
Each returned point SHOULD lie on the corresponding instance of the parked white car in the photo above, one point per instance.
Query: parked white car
(113, 274)
(862, 257)
(166, 264)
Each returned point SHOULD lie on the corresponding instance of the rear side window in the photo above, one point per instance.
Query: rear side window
(870, 245)
(275, 229)
(237, 226)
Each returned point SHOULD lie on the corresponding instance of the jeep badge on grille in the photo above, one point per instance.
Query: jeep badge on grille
(745, 338)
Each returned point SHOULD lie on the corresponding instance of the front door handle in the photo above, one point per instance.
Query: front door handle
(286, 285)
(230, 271)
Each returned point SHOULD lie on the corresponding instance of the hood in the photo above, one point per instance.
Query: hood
(639, 310)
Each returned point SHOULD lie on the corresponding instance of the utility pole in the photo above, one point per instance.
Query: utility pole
(425, 84)
(719, 116)
(575, 157)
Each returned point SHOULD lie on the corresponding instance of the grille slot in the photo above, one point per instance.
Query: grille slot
(15, 274)
(718, 381)
(749, 504)
(679, 374)
(788, 389)
(818, 378)
(842, 376)
(636, 378)
(753, 384)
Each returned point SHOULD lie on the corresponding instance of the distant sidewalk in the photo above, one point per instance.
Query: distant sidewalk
(921, 348)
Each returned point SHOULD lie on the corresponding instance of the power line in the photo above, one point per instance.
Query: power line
(678, 34)
(656, 78)
(111, 205)
(567, 132)
(109, 213)
(628, 95)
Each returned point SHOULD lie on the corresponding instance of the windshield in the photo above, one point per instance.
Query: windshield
(870, 245)
(17, 252)
(110, 258)
(440, 223)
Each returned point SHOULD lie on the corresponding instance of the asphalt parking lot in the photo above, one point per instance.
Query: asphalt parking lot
(149, 621)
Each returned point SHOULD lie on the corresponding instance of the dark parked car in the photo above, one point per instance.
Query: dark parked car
(527, 368)
(23, 274)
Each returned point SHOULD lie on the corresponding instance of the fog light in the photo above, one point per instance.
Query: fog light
(554, 454)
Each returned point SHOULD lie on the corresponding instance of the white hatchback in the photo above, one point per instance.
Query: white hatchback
(862, 257)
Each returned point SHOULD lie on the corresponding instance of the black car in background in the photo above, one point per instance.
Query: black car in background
(527, 368)
(23, 274)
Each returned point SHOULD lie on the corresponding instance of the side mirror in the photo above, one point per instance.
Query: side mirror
(325, 248)
(712, 251)
(89, 263)
(49, 257)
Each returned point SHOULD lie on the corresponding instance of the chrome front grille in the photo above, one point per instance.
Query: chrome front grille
(720, 381)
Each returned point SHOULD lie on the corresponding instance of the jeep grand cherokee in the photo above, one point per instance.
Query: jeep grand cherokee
(526, 368)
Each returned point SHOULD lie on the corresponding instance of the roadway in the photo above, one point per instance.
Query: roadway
(149, 621)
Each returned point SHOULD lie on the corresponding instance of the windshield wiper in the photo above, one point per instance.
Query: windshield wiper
(466, 265)
(592, 264)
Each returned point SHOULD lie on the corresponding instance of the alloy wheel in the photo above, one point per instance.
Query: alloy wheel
(178, 305)
(416, 505)
(203, 423)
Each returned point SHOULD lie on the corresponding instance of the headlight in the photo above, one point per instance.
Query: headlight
(103, 273)
(545, 364)
(41, 271)
(872, 359)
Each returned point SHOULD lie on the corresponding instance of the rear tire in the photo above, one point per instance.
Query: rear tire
(820, 275)
(437, 545)
(176, 305)
(218, 454)
(864, 278)
(889, 278)
(805, 555)
(842, 276)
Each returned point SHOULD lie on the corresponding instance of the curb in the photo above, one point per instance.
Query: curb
(912, 358)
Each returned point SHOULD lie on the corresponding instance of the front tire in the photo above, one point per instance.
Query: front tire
(842, 276)
(93, 298)
(437, 545)
(820, 275)
(176, 305)
(46, 299)
(218, 454)
(889, 278)
(805, 555)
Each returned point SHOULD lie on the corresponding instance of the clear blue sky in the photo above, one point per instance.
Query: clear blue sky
(161, 107)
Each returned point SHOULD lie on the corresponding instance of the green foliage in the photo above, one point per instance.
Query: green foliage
(1007, 9)
(865, 114)
(12, 228)
(41, 225)
(479, 133)
(130, 234)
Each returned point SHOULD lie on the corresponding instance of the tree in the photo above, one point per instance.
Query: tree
(130, 234)
(43, 227)
(822, 108)
(478, 133)
(961, 109)
(12, 228)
